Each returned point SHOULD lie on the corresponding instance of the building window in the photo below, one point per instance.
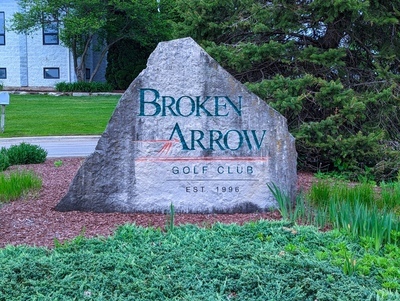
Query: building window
(51, 73)
(2, 28)
(88, 73)
(3, 73)
(50, 33)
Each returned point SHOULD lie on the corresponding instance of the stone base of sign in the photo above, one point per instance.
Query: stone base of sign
(186, 133)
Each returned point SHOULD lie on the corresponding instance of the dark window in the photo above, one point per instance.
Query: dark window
(51, 73)
(2, 29)
(3, 73)
(88, 73)
(50, 33)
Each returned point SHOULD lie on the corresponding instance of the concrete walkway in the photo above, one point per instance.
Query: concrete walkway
(58, 146)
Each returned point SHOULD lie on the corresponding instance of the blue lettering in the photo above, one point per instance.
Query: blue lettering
(198, 140)
(226, 138)
(258, 143)
(165, 106)
(247, 138)
(218, 105)
(152, 104)
(231, 140)
(178, 106)
(178, 131)
(201, 106)
(157, 107)
(216, 139)
(237, 109)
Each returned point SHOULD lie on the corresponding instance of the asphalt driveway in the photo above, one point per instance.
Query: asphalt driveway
(58, 146)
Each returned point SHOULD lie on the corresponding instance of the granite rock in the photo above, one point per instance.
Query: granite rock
(186, 133)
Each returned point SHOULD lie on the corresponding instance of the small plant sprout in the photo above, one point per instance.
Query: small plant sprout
(171, 218)
(58, 163)
(349, 266)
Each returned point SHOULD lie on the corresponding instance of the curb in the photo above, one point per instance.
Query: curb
(53, 92)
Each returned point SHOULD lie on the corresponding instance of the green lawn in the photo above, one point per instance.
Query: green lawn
(257, 261)
(44, 115)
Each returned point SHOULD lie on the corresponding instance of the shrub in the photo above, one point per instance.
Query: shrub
(83, 87)
(1, 86)
(336, 128)
(26, 153)
(62, 87)
(4, 161)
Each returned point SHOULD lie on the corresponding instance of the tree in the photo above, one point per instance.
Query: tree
(127, 57)
(331, 67)
(86, 23)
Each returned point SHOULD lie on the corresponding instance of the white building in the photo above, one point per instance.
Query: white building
(38, 59)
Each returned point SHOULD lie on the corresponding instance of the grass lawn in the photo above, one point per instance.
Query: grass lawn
(258, 261)
(44, 115)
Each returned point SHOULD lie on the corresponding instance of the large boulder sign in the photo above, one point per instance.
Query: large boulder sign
(186, 133)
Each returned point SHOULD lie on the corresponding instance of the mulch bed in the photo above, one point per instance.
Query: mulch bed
(33, 220)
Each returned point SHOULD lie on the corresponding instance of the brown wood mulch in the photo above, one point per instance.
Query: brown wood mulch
(33, 221)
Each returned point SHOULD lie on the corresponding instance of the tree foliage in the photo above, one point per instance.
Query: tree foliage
(331, 67)
(92, 23)
(128, 57)
(125, 60)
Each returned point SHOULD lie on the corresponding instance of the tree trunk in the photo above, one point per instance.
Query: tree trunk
(80, 62)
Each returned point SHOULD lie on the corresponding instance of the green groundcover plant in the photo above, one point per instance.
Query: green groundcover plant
(257, 261)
